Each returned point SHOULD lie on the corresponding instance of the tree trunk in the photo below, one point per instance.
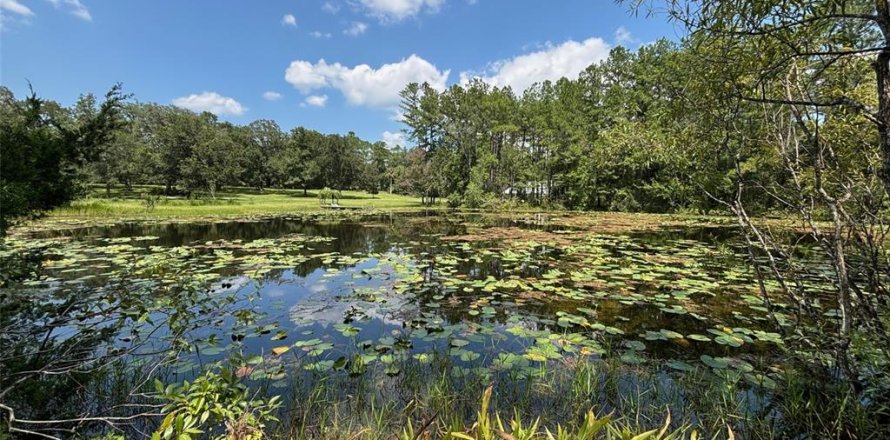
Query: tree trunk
(843, 285)
(882, 70)
(882, 73)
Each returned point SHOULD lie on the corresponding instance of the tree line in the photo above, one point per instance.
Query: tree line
(196, 154)
(619, 137)
(51, 152)
(635, 132)
(632, 133)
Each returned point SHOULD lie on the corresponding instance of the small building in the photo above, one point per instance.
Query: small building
(528, 189)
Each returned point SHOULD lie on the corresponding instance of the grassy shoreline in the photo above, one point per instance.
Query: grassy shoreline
(139, 205)
(233, 202)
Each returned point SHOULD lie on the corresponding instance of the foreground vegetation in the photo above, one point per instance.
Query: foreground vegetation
(578, 400)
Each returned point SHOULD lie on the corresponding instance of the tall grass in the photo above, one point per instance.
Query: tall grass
(596, 399)
(564, 401)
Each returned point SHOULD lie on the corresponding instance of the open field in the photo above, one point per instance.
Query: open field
(104, 208)
(233, 202)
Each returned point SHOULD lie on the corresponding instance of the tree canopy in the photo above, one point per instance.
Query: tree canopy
(45, 148)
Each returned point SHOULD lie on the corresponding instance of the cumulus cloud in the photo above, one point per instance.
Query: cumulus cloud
(551, 63)
(272, 95)
(393, 140)
(398, 10)
(316, 100)
(364, 85)
(317, 34)
(75, 7)
(210, 102)
(289, 20)
(356, 28)
(16, 8)
(307, 77)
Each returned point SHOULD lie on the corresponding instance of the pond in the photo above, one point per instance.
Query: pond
(496, 297)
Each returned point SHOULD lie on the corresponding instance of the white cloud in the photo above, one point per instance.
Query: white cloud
(397, 115)
(393, 140)
(289, 20)
(15, 7)
(317, 100)
(363, 84)
(317, 34)
(397, 10)
(551, 63)
(357, 28)
(330, 7)
(272, 95)
(306, 76)
(623, 36)
(210, 102)
(75, 7)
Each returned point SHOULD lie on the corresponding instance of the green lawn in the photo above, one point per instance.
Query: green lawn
(230, 203)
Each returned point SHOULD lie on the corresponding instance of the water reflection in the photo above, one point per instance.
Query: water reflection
(426, 280)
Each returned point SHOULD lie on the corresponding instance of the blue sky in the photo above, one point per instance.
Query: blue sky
(247, 60)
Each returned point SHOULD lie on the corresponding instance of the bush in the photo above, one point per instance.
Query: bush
(454, 200)
(217, 397)
(505, 205)
(475, 197)
(326, 194)
(624, 201)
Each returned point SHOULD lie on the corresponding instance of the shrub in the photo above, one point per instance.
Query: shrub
(454, 200)
(214, 399)
(475, 197)
(624, 201)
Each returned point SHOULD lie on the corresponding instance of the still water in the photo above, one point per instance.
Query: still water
(322, 293)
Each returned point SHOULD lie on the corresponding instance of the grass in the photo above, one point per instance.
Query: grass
(142, 203)
(234, 202)
(569, 399)
(581, 400)
(240, 202)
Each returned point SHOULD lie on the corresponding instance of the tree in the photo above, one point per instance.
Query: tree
(375, 176)
(44, 150)
(793, 84)
(215, 157)
(340, 160)
(128, 158)
(174, 133)
(818, 34)
(420, 176)
(296, 163)
(263, 142)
